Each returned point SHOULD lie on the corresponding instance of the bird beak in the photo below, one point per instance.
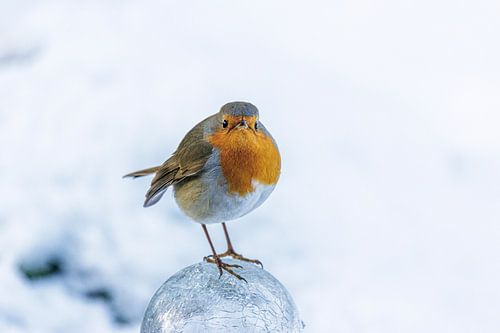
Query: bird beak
(243, 123)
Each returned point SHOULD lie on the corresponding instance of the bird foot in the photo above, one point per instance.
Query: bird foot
(237, 256)
(224, 266)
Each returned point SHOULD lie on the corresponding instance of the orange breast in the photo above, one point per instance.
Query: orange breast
(246, 156)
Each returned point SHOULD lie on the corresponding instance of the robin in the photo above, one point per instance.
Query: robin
(224, 168)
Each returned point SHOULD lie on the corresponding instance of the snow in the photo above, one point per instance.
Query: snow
(386, 114)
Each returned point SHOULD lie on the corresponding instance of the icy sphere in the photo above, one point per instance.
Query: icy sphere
(195, 299)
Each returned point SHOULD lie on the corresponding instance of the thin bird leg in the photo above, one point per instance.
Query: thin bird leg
(230, 250)
(228, 241)
(215, 259)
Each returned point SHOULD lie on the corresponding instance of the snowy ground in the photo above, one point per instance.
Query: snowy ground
(386, 218)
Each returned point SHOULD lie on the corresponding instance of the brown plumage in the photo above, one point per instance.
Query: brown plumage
(188, 159)
(142, 173)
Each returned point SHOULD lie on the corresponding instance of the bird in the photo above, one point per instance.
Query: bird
(225, 167)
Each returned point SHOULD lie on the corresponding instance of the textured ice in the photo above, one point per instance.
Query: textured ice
(195, 299)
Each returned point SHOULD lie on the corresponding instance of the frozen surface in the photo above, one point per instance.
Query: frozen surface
(195, 299)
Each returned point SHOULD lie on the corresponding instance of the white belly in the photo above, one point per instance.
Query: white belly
(225, 207)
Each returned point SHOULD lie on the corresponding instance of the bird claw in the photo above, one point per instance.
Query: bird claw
(224, 266)
(237, 256)
(253, 261)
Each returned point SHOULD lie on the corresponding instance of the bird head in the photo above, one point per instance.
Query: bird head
(239, 116)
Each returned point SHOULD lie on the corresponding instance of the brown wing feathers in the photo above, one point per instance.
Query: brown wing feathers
(165, 176)
(189, 159)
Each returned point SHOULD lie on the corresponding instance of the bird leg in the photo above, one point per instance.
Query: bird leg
(231, 253)
(215, 259)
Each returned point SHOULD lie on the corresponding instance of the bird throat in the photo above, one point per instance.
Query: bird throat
(246, 157)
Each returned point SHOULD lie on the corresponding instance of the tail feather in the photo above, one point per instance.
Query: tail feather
(142, 173)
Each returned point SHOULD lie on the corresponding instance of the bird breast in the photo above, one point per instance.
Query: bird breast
(247, 158)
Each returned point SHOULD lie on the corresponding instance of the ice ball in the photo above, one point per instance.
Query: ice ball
(195, 299)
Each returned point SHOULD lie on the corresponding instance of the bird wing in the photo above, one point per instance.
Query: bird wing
(188, 160)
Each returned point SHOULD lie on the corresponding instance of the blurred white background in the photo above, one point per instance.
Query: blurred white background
(387, 114)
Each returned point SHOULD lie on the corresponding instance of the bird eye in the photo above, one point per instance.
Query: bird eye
(256, 126)
(224, 123)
